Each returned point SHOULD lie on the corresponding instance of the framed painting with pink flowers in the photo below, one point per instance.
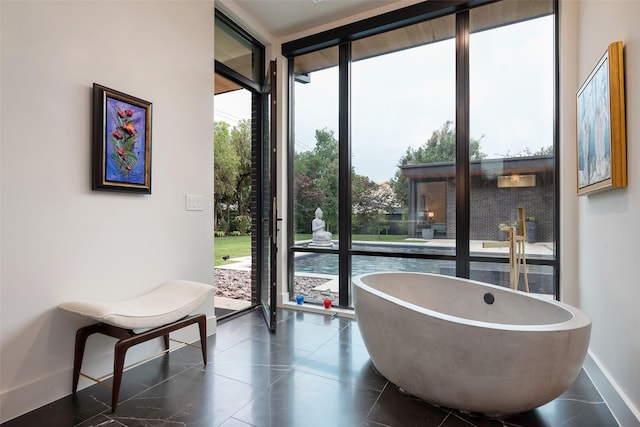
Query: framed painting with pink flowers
(121, 142)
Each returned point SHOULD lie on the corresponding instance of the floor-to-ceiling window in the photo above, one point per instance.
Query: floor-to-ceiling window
(427, 137)
(315, 196)
(399, 221)
(511, 100)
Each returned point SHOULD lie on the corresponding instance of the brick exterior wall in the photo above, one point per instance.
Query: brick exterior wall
(491, 206)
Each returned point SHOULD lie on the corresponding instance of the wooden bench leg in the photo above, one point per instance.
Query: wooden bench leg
(127, 338)
(118, 366)
(124, 344)
(166, 341)
(202, 325)
(81, 340)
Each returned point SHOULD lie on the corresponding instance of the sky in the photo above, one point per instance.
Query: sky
(399, 99)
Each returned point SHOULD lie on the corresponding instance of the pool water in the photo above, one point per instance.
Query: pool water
(540, 276)
(328, 264)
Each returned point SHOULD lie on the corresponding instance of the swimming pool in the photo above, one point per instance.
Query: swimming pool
(360, 264)
(540, 276)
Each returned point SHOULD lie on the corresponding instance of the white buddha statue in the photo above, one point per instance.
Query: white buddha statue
(320, 236)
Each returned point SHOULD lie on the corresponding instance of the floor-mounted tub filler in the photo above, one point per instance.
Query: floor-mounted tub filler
(468, 345)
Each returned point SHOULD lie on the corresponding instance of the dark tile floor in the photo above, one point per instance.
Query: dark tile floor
(315, 371)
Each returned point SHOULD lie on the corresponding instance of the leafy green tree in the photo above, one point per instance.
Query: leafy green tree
(226, 163)
(308, 197)
(241, 140)
(371, 203)
(440, 147)
(362, 208)
(316, 182)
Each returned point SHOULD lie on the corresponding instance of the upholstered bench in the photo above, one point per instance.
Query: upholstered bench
(152, 315)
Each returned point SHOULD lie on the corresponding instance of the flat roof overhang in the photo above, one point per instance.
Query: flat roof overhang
(506, 166)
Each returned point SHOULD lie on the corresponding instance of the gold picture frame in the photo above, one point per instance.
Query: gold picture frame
(601, 145)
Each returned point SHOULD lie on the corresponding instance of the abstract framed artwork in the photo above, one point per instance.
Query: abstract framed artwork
(602, 157)
(121, 142)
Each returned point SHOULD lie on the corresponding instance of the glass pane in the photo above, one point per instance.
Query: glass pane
(539, 277)
(403, 139)
(315, 168)
(233, 220)
(362, 264)
(237, 51)
(511, 130)
(316, 276)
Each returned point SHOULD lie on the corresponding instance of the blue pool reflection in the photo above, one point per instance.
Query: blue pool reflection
(328, 264)
(540, 276)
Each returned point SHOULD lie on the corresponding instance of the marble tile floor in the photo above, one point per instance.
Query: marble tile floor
(315, 371)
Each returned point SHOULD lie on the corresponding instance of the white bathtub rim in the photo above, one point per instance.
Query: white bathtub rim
(578, 320)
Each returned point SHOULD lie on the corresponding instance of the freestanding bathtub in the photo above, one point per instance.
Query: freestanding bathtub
(468, 345)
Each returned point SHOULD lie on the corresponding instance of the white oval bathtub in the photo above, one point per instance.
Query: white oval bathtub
(469, 345)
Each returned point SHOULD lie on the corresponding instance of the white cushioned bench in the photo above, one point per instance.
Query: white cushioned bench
(157, 313)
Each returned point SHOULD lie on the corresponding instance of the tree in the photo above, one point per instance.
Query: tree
(440, 147)
(241, 141)
(371, 203)
(362, 205)
(526, 152)
(308, 197)
(316, 182)
(225, 164)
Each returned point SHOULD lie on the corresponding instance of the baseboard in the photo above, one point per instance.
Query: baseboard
(38, 392)
(212, 322)
(621, 407)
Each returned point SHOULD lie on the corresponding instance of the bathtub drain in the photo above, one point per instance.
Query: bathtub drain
(489, 298)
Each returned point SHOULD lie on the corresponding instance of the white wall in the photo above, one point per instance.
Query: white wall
(608, 230)
(60, 240)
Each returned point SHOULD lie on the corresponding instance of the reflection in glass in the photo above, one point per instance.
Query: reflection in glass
(236, 50)
(511, 115)
(540, 277)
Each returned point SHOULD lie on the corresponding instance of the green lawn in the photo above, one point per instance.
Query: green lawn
(239, 246)
(233, 246)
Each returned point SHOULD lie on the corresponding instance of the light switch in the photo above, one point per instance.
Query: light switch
(195, 202)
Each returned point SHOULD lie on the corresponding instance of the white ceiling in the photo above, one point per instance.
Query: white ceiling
(285, 17)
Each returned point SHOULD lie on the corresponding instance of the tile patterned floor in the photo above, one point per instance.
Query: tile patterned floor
(315, 371)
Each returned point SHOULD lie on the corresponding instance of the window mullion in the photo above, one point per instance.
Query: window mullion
(463, 211)
(344, 174)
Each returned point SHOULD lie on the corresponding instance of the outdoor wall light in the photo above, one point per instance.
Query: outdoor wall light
(513, 181)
